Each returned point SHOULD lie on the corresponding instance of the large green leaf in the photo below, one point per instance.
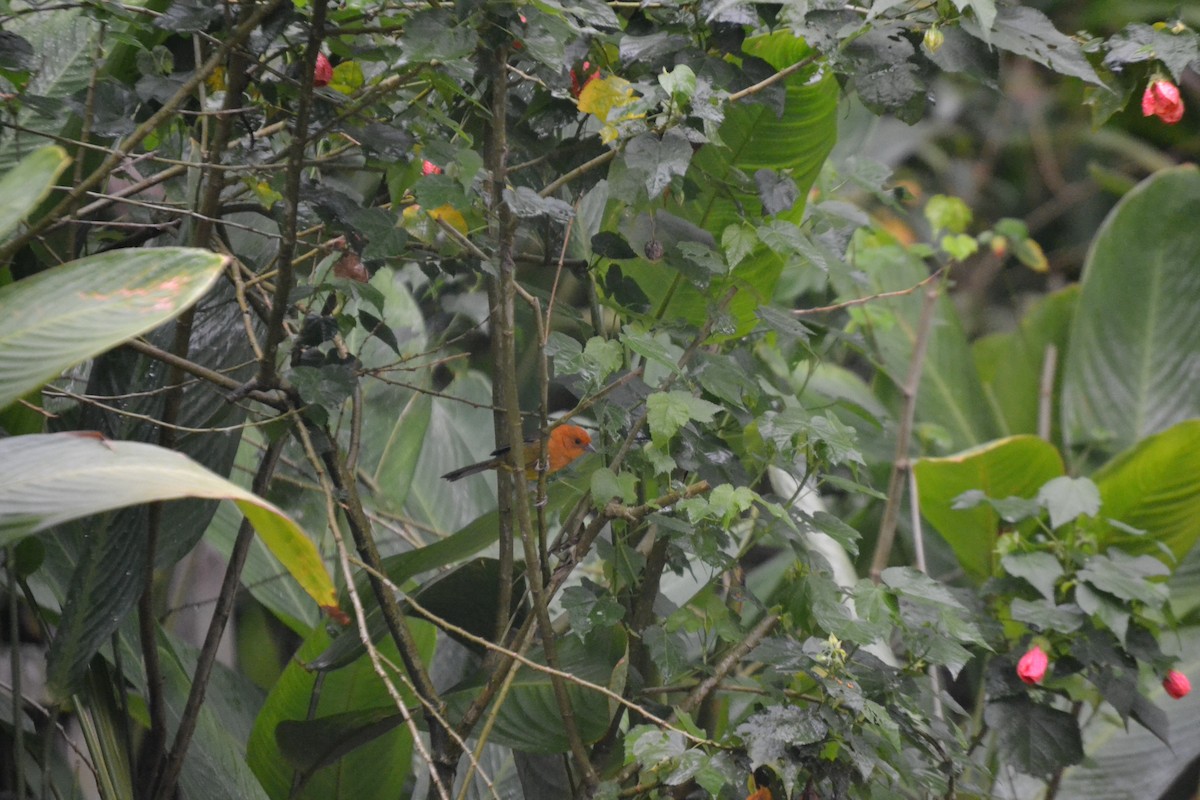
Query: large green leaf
(47, 479)
(401, 452)
(1153, 487)
(1013, 467)
(26, 184)
(1129, 370)
(72, 312)
(1010, 364)
(754, 136)
(344, 700)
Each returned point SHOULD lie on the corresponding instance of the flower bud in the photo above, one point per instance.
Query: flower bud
(1177, 684)
(323, 71)
(933, 39)
(1161, 99)
(1032, 666)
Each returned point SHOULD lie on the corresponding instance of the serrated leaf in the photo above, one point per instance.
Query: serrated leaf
(660, 159)
(1040, 570)
(1030, 33)
(670, 411)
(1036, 739)
(1068, 498)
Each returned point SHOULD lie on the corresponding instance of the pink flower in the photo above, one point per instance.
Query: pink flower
(1162, 100)
(1032, 666)
(1177, 684)
(430, 168)
(323, 71)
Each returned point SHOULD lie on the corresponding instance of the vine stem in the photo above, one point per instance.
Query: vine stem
(900, 463)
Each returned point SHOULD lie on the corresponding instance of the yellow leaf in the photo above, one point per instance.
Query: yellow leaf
(1031, 255)
(601, 96)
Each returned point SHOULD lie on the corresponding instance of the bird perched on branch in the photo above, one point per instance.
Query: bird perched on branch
(567, 443)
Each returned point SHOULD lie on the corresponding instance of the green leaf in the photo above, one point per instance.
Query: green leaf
(1030, 33)
(1137, 328)
(948, 214)
(960, 246)
(985, 12)
(670, 411)
(590, 607)
(27, 184)
(1036, 739)
(1040, 570)
(1010, 364)
(1046, 616)
(57, 318)
(398, 462)
(1140, 42)
(47, 479)
(1125, 577)
(362, 757)
(1068, 498)
(311, 744)
(660, 159)
(1152, 487)
(1017, 466)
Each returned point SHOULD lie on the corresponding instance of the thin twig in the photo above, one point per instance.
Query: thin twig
(858, 301)
(891, 511)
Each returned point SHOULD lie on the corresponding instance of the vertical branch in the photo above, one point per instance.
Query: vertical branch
(1046, 392)
(285, 279)
(891, 511)
(504, 333)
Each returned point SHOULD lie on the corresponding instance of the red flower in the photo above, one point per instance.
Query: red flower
(1032, 666)
(1162, 100)
(430, 168)
(323, 71)
(1177, 684)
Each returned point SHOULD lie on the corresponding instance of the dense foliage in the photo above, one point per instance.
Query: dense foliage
(884, 502)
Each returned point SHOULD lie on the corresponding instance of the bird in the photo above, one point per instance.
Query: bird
(567, 443)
